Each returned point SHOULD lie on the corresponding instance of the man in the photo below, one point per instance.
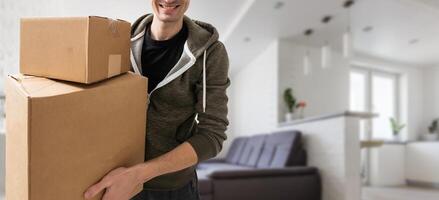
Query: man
(187, 68)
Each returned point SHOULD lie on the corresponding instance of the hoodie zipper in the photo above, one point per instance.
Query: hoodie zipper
(149, 95)
(187, 65)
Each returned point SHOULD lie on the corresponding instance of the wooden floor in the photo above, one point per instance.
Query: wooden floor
(390, 193)
(399, 193)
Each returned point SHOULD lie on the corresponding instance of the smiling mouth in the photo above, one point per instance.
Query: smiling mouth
(168, 6)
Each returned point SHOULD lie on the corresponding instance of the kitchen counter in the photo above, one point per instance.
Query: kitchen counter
(362, 115)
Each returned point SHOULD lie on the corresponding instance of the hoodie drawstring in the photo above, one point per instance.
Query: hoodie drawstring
(204, 81)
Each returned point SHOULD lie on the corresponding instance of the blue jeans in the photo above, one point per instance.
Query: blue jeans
(187, 192)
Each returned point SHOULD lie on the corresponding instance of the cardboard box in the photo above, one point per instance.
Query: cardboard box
(62, 137)
(79, 49)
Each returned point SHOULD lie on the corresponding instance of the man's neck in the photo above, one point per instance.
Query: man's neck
(165, 30)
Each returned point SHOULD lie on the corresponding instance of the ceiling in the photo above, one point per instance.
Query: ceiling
(262, 23)
(432, 3)
(404, 31)
(247, 27)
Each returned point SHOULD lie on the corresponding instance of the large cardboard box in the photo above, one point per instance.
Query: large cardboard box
(62, 137)
(79, 49)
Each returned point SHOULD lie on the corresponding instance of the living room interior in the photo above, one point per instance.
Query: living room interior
(329, 99)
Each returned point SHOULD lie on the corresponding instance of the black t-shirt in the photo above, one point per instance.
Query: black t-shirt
(158, 57)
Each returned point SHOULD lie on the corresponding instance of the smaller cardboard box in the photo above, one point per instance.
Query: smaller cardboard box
(78, 49)
(62, 137)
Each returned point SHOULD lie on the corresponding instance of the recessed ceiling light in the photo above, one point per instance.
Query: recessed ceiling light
(414, 41)
(326, 19)
(348, 3)
(308, 32)
(368, 29)
(278, 5)
(247, 39)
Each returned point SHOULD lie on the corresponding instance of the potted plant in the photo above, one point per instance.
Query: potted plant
(290, 102)
(432, 134)
(396, 128)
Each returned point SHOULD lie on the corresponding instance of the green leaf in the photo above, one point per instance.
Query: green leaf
(289, 99)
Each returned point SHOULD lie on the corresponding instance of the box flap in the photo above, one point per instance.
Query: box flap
(109, 18)
(16, 80)
(33, 86)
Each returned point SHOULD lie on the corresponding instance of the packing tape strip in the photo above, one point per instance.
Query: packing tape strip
(112, 25)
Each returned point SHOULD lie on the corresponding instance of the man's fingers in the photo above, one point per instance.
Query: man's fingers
(106, 195)
(95, 189)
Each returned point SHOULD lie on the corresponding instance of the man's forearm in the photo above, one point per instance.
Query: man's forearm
(181, 157)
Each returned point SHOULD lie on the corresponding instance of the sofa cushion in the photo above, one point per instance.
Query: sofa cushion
(280, 156)
(238, 146)
(279, 149)
(252, 150)
(234, 149)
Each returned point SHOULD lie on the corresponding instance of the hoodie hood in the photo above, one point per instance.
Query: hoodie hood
(201, 35)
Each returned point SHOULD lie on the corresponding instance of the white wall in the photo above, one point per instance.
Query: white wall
(257, 90)
(333, 147)
(10, 13)
(325, 90)
(431, 95)
(411, 92)
(253, 100)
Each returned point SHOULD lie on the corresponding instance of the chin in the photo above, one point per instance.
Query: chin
(167, 18)
(167, 11)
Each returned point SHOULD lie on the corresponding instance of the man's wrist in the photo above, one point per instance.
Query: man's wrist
(144, 172)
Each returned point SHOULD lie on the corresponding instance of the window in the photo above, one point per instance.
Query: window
(374, 91)
(358, 91)
(358, 98)
(383, 103)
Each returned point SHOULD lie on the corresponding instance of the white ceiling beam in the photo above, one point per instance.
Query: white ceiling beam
(237, 19)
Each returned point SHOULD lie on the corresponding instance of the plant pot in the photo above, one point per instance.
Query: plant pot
(290, 117)
(430, 137)
(396, 137)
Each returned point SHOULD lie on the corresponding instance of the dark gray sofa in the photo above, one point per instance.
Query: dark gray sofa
(264, 166)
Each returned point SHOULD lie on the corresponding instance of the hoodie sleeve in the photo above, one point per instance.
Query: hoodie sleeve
(212, 124)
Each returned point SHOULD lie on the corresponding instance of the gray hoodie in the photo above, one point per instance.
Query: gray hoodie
(190, 103)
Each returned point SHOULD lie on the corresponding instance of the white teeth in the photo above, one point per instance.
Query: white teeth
(168, 6)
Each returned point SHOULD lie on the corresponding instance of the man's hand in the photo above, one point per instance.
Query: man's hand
(119, 184)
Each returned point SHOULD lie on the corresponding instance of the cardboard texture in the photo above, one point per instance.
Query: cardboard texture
(78, 49)
(62, 137)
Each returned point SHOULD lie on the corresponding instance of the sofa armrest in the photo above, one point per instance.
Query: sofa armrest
(260, 173)
(261, 184)
(215, 160)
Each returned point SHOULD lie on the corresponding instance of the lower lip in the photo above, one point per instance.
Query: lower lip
(168, 10)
